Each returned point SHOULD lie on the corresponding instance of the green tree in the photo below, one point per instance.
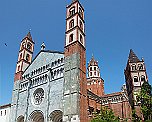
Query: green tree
(145, 99)
(135, 118)
(105, 115)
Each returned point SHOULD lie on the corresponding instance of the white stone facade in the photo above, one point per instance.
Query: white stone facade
(5, 113)
(39, 94)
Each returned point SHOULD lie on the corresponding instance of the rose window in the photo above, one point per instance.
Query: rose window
(38, 96)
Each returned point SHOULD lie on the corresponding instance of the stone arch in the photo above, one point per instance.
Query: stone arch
(56, 116)
(20, 119)
(36, 116)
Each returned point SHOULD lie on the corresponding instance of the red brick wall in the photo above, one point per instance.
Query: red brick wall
(121, 109)
(96, 88)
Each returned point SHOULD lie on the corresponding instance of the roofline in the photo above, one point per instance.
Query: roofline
(49, 51)
(92, 78)
(5, 106)
(112, 94)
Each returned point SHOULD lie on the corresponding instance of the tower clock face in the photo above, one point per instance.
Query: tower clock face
(38, 96)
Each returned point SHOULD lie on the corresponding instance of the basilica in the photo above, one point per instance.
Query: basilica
(57, 86)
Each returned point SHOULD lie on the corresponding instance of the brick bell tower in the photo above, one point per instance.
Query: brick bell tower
(24, 56)
(135, 76)
(75, 85)
(94, 82)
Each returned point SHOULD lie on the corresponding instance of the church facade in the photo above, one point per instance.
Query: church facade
(54, 86)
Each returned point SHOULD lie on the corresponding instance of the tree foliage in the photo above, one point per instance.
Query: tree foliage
(145, 99)
(105, 115)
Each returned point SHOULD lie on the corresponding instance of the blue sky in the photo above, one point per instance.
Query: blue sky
(113, 27)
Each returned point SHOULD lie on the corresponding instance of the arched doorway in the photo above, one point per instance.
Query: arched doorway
(36, 116)
(56, 116)
(20, 119)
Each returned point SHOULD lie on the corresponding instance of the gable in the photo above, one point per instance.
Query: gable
(42, 59)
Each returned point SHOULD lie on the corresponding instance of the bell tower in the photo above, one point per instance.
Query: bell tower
(94, 82)
(75, 84)
(135, 76)
(24, 56)
(75, 31)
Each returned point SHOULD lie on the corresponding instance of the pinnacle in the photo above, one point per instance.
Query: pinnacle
(29, 35)
(74, 1)
(43, 46)
(93, 61)
(132, 57)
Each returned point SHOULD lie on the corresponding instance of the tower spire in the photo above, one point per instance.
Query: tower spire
(24, 56)
(132, 57)
(29, 35)
(96, 83)
(135, 76)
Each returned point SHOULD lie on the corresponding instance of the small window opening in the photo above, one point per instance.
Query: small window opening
(71, 38)
(135, 79)
(27, 57)
(80, 11)
(90, 68)
(20, 56)
(72, 11)
(23, 45)
(90, 73)
(71, 24)
(81, 25)
(141, 67)
(81, 39)
(133, 67)
(29, 46)
(143, 78)
(5, 112)
(18, 69)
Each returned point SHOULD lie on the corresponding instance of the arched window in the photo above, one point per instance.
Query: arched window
(90, 68)
(27, 57)
(81, 25)
(61, 60)
(55, 63)
(141, 67)
(20, 56)
(143, 78)
(135, 79)
(58, 61)
(90, 73)
(52, 64)
(133, 67)
(72, 11)
(71, 38)
(5, 112)
(23, 45)
(81, 39)
(55, 73)
(71, 24)
(80, 11)
(38, 96)
(29, 45)
(18, 69)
